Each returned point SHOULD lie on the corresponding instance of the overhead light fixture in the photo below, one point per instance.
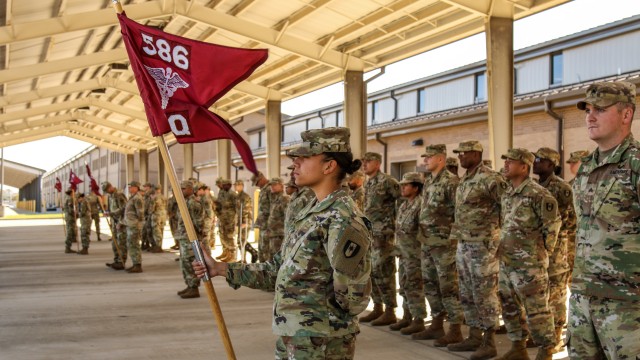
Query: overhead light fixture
(417, 142)
(99, 91)
(84, 108)
(118, 67)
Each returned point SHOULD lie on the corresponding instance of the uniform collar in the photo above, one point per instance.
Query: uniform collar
(615, 156)
(519, 189)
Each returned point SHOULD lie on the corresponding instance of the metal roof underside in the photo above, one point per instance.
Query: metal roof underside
(55, 55)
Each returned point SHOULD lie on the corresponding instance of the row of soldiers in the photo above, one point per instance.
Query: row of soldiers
(475, 247)
(83, 207)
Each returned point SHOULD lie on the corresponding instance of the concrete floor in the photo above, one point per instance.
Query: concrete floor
(64, 306)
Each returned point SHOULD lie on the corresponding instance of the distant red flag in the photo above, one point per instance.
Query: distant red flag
(58, 184)
(179, 79)
(74, 181)
(94, 185)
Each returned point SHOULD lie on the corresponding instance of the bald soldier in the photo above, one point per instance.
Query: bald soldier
(381, 193)
(530, 224)
(604, 307)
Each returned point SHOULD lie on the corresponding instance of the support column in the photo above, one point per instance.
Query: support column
(499, 33)
(188, 161)
(355, 111)
(130, 163)
(274, 137)
(224, 158)
(144, 166)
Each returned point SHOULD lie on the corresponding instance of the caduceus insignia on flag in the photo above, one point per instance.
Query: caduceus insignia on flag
(168, 82)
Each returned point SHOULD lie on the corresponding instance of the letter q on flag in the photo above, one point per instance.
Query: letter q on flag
(179, 79)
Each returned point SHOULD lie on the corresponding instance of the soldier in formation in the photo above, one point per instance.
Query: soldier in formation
(452, 166)
(203, 195)
(381, 193)
(84, 214)
(574, 161)
(245, 216)
(172, 214)
(147, 228)
(95, 205)
(226, 213)
(408, 246)
(439, 249)
(328, 247)
(116, 204)
(604, 306)
(186, 251)
(530, 224)
(157, 218)
(356, 181)
(69, 210)
(275, 224)
(264, 200)
(134, 221)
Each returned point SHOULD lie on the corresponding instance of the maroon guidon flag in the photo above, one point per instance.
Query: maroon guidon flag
(74, 181)
(58, 185)
(179, 79)
(94, 185)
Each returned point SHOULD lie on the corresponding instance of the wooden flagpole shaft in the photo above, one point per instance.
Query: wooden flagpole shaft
(191, 233)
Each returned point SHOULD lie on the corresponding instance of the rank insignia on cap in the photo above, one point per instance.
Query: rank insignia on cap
(350, 249)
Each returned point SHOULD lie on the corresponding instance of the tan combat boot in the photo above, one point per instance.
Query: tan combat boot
(191, 293)
(388, 317)
(69, 251)
(518, 351)
(156, 249)
(472, 343)
(183, 290)
(115, 266)
(454, 335)
(224, 254)
(84, 251)
(434, 331)
(417, 325)
(545, 354)
(406, 321)
(135, 269)
(488, 348)
(377, 311)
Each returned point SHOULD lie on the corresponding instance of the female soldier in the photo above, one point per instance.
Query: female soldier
(322, 273)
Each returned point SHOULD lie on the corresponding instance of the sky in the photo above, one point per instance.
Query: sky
(560, 21)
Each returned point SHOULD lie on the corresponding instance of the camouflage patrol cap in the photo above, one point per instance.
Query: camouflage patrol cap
(80, 195)
(134, 183)
(198, 185)
(465, 146)
(148, 184)
(411, 177)
(605, 94)
(225, 181)
(275, 180)
(357, 175)
(372, 156)
(105, 185)
(319, 141)
(519, 154)
(256, 177)
(239, 182)
(451, 161)
(435, 149)
(577, 156)
(186, 184)
(549, 154)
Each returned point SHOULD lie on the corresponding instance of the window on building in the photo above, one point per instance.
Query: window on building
(422, 101)
(103, 161)
(556, 69)
(480, 87)
(375, 109)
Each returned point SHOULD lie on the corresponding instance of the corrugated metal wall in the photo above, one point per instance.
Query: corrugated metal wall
(532, 75)
(449, 95)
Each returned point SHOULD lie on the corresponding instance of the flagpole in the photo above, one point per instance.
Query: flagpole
(75, 218)
(191, 233)
(114, 236)
(64, 224)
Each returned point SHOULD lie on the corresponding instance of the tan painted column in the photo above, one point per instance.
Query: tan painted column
(144, 166)
(224, 158)
(188, 161)
(499, 32)
(355, 111)
(274, 138)
(130, 163)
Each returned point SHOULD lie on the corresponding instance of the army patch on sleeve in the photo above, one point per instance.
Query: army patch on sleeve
(351, 247)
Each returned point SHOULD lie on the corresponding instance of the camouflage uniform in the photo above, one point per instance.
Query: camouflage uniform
(298, 201)
(84, 214)
(381, 192)
(94, 205)
(409, 270)
(452, 166)
(186, 251)
(530, 224)
(172, 213)
(208, 238)
(116, 204)
(275, 224)
(158, 218)
(147, 228)
(134, 220)
(70, 221)
(226, 205)
(358, 197)
(574, 157)
(264, 200)
(438, 249)
(559, 266)
(604, 307)
(477, 231)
